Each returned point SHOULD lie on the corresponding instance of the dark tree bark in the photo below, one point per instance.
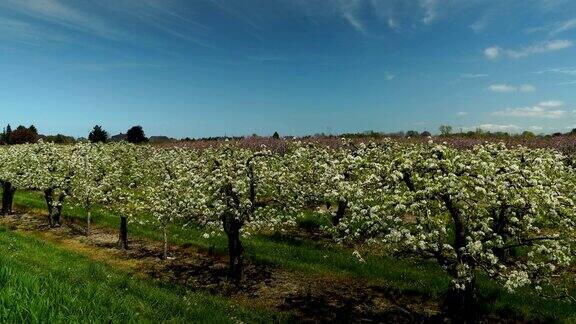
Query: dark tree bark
(7, 197)
(57, 217)
(165, 245)
(235, 249)
(340, 212)
(123, 236)
(49, 197)
(232, 224)
(54, 212)
(461, 305)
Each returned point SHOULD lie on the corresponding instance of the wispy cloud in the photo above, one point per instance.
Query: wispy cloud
(430, 11)
(503, 88)
(495, 52)
(462, 113)
(354, 21)
(29, 34)
(548, 46)
(58, 13)
(473, 75)
(565, 71)
(563, 27)
(105, 67)
(478, 26)
(50, 19)
(567, 83)
(552, 109)
(554, 29)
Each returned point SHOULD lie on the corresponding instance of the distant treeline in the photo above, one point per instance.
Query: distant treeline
(447, 131)
(135, 134)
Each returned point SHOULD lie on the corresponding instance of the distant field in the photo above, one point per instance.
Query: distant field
(562, 143)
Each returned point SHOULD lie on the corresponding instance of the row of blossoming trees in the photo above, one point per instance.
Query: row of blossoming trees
(507, 212)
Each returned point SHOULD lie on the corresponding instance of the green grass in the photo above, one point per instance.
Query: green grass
(40, 282)
(329, 260)
(300, 255)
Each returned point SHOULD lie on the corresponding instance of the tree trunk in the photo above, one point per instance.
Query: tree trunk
(88, 219)
(56, 218)
(123, 237)
(235, 249)
(342, 206)
(7, 197)
(165, 248)
(461, 305)
(49, 197)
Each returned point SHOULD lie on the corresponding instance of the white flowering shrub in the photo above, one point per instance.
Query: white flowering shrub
(169, 190)
(507, 212)
(240, 191)
(92, 182)
(45, 167)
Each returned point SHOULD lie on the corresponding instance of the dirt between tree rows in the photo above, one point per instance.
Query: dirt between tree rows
(308, 298)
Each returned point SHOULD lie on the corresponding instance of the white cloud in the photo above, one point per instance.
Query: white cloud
(501, 88)
(547, 109)
(504, 88)
(551, 103)
(496, 127)
(548, 46)
(526, 88)
(462, 113)
(492, 53)
(389, 76)
(503, 128)
(553, 45)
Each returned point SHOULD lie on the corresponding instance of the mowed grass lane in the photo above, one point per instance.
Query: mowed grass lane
(40, 282)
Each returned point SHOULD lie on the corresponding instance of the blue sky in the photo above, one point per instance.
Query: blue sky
(214, 67)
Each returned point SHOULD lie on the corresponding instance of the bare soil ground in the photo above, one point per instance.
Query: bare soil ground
(309, 298)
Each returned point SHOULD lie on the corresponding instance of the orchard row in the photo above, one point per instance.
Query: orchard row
(507, 212)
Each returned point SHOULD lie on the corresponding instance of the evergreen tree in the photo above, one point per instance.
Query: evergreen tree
(7, 134)
(98, 134)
